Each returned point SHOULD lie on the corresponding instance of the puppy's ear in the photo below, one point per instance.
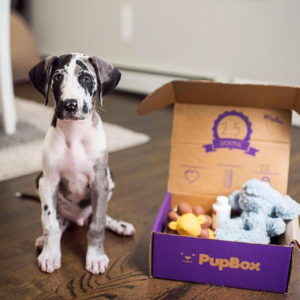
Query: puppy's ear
(107, 75)
(40, 75)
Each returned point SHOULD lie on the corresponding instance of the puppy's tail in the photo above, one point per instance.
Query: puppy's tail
(26, 196)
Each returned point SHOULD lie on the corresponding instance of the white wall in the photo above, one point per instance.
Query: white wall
(253, 39)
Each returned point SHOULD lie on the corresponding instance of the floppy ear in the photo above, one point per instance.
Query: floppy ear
(40, 75)
(107, 75)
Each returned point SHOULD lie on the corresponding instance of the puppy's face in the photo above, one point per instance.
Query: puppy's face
(74, 86)
(74, 80)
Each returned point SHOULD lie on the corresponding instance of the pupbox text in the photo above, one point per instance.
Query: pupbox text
(232, 263)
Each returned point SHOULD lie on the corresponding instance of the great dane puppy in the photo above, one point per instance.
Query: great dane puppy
(75, 181)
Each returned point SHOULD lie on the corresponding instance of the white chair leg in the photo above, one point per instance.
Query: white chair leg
(7, 101)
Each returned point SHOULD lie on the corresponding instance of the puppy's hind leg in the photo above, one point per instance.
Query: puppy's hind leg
(119, 227)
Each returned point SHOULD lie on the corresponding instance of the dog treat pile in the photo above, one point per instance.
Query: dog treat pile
(190, 221)
(261, 213)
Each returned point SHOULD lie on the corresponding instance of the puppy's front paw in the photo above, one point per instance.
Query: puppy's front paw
(49, 260)
(96, 263)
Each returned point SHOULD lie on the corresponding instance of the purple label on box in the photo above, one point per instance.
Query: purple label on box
(231, 143)
(242, 265)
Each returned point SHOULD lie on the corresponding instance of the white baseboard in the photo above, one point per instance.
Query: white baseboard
(139, 82)
(143, 81)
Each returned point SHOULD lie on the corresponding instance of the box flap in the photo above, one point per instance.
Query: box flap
(292, 233)
(214, 93)
(162, 97)
(296, 105)
(225, 134)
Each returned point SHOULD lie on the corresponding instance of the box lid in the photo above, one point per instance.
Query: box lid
(225, 134)
(214, 93)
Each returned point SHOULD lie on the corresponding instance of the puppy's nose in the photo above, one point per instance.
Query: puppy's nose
(70, 105)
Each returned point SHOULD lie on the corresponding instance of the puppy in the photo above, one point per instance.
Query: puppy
(76, 182)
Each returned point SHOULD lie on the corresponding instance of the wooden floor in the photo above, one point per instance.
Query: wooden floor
(141, 179)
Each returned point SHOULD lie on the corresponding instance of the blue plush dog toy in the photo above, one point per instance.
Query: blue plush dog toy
(263, 214)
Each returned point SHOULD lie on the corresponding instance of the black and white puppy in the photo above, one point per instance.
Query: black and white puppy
(76, 181)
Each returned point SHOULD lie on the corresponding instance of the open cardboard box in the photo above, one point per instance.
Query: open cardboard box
(224, 135)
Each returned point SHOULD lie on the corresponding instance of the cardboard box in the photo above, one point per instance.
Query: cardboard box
(224, 135)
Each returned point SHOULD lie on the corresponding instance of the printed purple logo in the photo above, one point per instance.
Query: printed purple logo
(231, 142)
(273, 119)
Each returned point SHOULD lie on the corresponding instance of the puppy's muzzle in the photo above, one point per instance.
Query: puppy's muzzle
(70, 105)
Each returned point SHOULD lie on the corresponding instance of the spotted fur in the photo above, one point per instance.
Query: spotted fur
(76, 183)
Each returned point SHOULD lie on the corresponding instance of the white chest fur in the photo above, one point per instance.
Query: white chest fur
(71, 150)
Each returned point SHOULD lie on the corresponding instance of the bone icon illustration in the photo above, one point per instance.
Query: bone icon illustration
(191, 175)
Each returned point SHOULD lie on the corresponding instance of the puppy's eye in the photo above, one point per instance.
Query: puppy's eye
(58, 77)
(86, 78)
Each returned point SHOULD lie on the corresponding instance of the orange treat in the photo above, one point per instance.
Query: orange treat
(173, 215)
(208, 221)
(184, 208)
(204, 233)
(198, 210)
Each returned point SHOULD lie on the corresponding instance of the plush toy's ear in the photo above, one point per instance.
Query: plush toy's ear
(107, 75)
(40, 75)
(173, 225)
(234, 200)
